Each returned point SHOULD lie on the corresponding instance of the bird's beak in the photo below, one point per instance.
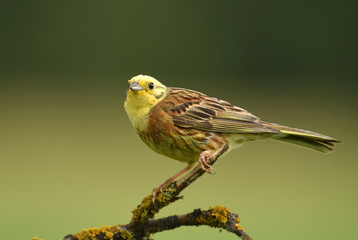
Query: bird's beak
(135, 86)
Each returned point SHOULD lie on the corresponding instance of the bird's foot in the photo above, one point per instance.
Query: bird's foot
(160, 188)
(203, 162)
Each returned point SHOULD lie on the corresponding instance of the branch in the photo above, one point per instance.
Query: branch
(147, 209)
(142, 224)
(218, 217)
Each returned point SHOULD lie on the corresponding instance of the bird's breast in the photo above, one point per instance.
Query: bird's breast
(182, 144)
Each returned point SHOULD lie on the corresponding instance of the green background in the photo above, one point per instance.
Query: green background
(70, 159)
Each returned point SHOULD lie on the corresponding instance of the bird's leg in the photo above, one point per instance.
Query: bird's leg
(202, 161)
(172, 178)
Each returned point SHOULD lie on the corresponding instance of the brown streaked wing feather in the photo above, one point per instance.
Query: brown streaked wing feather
(191, 109)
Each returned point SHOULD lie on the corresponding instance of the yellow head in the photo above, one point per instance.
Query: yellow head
(143, 93)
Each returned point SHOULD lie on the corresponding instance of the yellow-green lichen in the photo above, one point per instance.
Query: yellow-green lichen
(91, 233)
(144, 211)
(238, 227)
(147, 209)
(125, 234)
(220, 214)
(166, 197)
(216, 217)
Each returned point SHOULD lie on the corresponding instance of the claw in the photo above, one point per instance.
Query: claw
(169, 180)
(160, 188)
(203, 164)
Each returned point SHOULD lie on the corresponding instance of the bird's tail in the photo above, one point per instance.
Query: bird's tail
(304, 138)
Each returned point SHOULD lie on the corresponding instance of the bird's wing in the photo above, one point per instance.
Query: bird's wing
(191, 109)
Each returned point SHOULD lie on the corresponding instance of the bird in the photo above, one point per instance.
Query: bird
(189, 126)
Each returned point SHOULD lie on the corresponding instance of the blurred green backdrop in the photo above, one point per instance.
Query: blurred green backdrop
(70, 160)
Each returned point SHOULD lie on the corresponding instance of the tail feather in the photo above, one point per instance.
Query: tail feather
(315, 141)
(322, 146)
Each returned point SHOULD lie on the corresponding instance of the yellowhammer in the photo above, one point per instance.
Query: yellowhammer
(189, 126)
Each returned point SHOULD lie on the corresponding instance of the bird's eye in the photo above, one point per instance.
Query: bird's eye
(151, 85)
